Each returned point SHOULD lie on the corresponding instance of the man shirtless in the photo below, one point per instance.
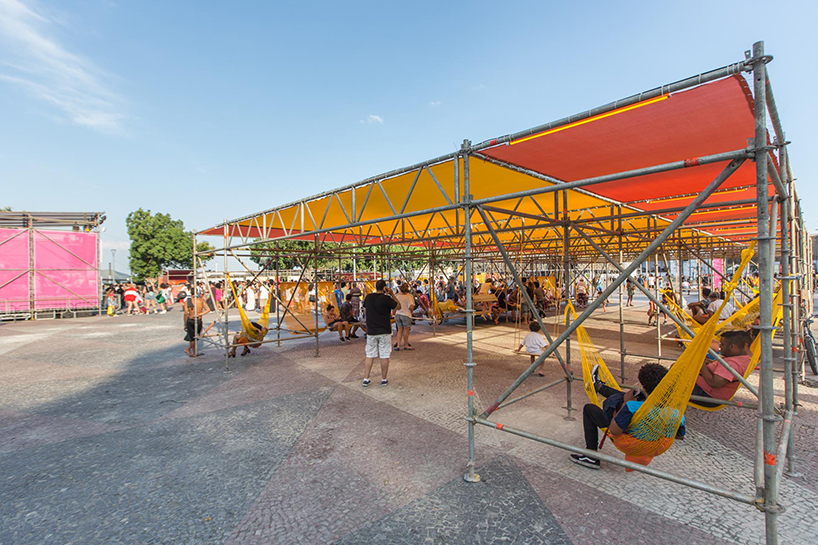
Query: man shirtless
(195, 307)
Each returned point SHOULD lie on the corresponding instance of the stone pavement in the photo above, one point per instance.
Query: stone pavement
(109, 434)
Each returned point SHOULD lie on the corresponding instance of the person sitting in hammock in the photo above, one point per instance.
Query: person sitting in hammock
(335, 323)
(248, 340)
(714, 380)
(617, 410)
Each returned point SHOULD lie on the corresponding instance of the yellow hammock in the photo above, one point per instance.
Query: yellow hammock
(740, 320)
(248, 329)
(755, 348)
(654, 425)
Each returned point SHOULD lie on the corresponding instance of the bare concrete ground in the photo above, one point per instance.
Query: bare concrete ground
(109, 434)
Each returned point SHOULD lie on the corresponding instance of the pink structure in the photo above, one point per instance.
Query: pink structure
(47, 269)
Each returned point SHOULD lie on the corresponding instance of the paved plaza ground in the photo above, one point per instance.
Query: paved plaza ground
(110, 434)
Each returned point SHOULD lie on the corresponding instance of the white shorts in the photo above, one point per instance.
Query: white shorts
(379, 346)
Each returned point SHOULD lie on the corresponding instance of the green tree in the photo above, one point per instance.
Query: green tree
(368, 258)
(159, 242)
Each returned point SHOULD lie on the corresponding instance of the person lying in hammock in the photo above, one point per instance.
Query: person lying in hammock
(617, 410)
(714, 380)
(242, 338)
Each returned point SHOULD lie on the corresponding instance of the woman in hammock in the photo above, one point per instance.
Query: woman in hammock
(248, 340)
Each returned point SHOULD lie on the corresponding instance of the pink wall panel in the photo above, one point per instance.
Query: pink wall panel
(67, 271)
(14, 280)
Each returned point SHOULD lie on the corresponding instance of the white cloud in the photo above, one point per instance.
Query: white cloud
(435, 103)
(106, 244)
(372, 118)
(71, 84)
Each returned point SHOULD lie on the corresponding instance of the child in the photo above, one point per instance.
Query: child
(534, 344)
(111, 303)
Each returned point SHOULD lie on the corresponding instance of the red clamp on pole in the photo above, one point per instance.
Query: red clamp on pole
(500, 426)
(769, 458)
(492, 409)
(469, 392)
(738, 403)
(692, 162)
(493, 142)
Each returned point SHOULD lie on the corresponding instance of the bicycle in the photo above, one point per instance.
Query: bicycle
(810, 346)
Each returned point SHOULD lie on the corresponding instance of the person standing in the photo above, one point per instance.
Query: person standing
(263, 295)
(378, 307)
(355, 291)
(251, 297)
(403, 317)
(194, 307)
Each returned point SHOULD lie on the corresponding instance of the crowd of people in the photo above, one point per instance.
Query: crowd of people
(130, 299)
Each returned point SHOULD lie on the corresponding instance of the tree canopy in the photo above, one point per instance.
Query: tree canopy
(159, 242)
(368, 259)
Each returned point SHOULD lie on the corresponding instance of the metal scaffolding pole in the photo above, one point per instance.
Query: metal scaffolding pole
(470, 475)
(765, 261)
(660, 306)
(651, 248)
(225, 307)
(192, 296)
(786, 303)
(567, 281)
(621, 309)
(315, 290)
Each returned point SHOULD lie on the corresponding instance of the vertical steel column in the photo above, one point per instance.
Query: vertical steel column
(432, 297)
(225, 306)
(32, 298)
(789, 358)
(277, 288)
(567, 280)
(765, 261)
(192, 295)
(621, 306)
(470, 476)
(315, 288)
(656, 290)
(100, 290)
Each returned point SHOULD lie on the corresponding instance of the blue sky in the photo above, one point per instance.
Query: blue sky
(213, 110)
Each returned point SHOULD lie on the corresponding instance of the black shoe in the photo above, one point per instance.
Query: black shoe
(595, 377)
(586, 461)
(366, 383)
(384, 382)
(353, 336)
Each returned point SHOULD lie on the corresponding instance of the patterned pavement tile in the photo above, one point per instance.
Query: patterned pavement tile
(354, 463)
(180, 481)
(504, 508)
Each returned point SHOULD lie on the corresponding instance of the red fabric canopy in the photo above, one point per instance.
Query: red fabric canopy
(710, 119)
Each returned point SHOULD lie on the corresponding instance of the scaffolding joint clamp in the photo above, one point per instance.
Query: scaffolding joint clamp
(469, 364)
(750, 61)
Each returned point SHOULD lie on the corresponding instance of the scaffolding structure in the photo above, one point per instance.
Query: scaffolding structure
(687, 171)
(49, 265)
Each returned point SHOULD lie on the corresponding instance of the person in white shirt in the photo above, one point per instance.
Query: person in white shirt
(715, 303)
(251, 297)
(534, 344)
(263, 295)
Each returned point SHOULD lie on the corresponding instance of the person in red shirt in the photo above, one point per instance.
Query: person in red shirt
(714, 380)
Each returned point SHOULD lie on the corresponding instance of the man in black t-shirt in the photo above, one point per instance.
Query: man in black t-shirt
(379, 306)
